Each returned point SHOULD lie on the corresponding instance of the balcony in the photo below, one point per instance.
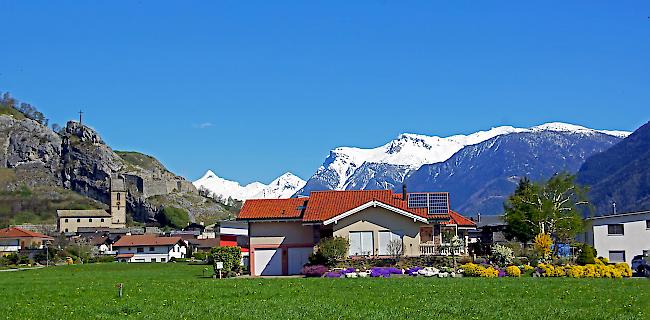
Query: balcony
(432, 249)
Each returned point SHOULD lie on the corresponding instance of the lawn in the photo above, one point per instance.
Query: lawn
(178, 291)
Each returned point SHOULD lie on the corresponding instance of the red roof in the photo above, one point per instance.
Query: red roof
(325, 205)
(457, 219)
(21, 233)
(146, 240)
(273, 208)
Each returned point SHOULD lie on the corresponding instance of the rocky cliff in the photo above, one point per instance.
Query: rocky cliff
(78, 159)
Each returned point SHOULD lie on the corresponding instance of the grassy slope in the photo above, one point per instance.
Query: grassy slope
(178, 291)
(12, 112)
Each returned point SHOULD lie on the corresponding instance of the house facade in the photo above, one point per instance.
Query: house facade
(12, 240)
(149, 248)
(283, 232)
(620, 237)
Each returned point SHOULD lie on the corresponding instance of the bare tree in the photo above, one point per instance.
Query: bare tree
(395, 248)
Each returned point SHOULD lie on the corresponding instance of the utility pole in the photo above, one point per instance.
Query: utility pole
(80, 116)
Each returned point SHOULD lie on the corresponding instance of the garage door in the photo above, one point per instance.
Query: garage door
(297, 258)
(268, 262)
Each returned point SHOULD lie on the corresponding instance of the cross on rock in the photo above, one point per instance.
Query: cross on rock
(80, 116)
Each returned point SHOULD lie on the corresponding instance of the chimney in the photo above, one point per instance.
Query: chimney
(478, 216)
(404, 191)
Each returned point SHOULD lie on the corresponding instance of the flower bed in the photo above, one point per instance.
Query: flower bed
(597, 270)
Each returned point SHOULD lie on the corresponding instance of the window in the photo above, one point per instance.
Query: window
(163, 259)
(361, 243)
(385, 237)
(102, 220)
(152, 249)
(66, 230)
(66, 220)
(617, 256)
(78, 220)
(90, 220)
(140, 250)
(647, 224)
(615, 229)
(118, 196)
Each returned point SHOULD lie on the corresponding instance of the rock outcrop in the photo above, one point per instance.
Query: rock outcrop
(78, 159)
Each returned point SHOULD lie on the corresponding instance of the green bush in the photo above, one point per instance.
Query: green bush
(200, 255)
(102, 259)
(174, 217)
(231, 258)
(330, 251)
(587, 255)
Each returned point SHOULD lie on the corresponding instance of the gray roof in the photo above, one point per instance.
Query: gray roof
(82, 213)
(490, 221)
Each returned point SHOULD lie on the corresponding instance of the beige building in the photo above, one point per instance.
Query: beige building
(283, 232)
(69, 221)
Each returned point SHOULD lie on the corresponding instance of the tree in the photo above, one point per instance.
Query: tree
(329, 251)
(550, 208)
(395, 248)
(174, 217)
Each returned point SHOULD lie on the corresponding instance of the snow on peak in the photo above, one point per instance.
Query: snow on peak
(282, 187)
(414, 150)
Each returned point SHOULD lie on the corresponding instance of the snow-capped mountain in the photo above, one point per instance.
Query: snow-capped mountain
(386, 167)
(282, 187)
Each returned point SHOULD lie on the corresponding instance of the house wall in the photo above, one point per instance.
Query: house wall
(634, 241)
(280, 233)
(377, 219)
(72, 225)
(9, 245)
(166, 252)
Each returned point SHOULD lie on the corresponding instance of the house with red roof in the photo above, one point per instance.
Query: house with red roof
(283, 232)
(14, 239)
(149, 248)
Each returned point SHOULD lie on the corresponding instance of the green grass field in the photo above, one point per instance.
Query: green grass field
(178, 291)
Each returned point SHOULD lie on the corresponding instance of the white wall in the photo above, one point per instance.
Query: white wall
(635, 239)
(159, 252)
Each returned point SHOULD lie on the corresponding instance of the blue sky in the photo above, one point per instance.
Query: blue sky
(252, 89)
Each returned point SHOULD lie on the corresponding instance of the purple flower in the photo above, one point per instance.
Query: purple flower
(333, 275)
(314, 271)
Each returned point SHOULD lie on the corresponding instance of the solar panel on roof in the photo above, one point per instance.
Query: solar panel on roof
(435, 202)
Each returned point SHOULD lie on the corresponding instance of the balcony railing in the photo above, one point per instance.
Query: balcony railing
(432, 249)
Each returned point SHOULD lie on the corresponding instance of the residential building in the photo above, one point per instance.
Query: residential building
(69, 221)
(620, 237)
(149, 248)
(489, 230)
(283, 232)
(12, 240)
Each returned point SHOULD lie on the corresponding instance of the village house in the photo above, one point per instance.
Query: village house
(620, 237)
(12, 240)
(283, 232)
(69, 221)
(149, 248)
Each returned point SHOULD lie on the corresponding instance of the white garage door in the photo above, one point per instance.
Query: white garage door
(268, 262)
(298, 257)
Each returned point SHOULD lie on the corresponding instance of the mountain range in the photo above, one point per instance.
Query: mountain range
(479, 170)
(620, 175)
(284, 186)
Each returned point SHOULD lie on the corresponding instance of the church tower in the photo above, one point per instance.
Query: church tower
(118, 202)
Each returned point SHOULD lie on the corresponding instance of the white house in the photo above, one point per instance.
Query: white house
(620, 237)
(149, 248)
(13, 240)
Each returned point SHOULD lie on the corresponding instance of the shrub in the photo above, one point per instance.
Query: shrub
(230, 256)
(543, 243)
(587, 255)
(330, 250)
(513, 271)
(502, 254)
(200, 255)
(314, 271)
(472, 270)
(489, 272)
(625, 269)
(174, 217)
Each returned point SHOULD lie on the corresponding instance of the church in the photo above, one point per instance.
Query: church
(69, 221)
